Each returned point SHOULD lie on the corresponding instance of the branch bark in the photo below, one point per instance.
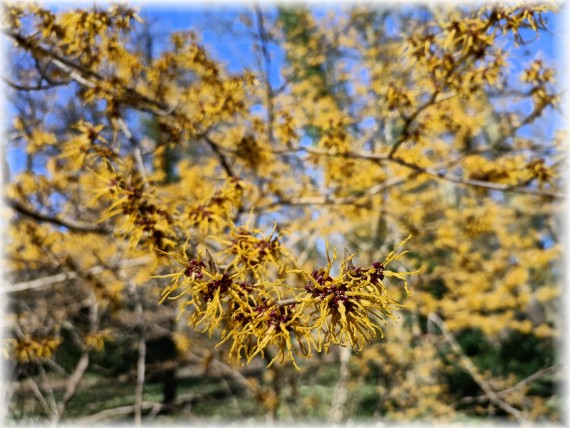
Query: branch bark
(73, 225)
(472, 370)
(48, 281)
(139, 388)
(522, 383)
(341, 388)
(432, 172)
(81, 366)
(119, 411)
(328, 200)
(135, 145)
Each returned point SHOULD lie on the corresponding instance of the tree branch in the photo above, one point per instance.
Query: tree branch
(73, 225)
(41, 399)
(223, 161)
(287, 302)
(472, 370)
(530, 379)
(328, 200)
(38, 87)
(89, 78)
(118, 411)
(47, 281)
(141, 346)
(432, 172)
(135, 145)
(340, 394)
(82, 365)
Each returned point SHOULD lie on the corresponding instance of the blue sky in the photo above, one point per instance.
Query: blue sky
(183, 18)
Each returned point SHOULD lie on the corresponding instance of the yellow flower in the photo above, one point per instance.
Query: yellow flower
(254, 316)
(348, 307)
(251, 249)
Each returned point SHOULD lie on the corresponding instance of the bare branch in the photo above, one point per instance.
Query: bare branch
(47, 281)
(141, 346)
(136, 150)
(223, 161)
(518, 188)
(119, 411)
(73, 225)
(287, 302)
(472, 370)
(504, 392)
(82, 365)
(341, 388)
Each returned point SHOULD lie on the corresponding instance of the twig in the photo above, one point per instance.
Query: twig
(341, 388)
(328, 200)
(530, 379)
(472, 370)
(139, 389)
(82, 365)
(73, 225)
(38, 87)
(430, 171)
(118, 411)
(47, 281)
(223, 161)
(135, 145)
(408, 121)
(41, 399)
(478, 183)
(287, 302)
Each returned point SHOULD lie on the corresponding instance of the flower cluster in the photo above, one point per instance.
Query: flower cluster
(291, 320)
(212, 214)
(252, 249)
(26, 348)
(347, 308)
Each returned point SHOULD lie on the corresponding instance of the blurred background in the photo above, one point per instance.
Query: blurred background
(353, 125)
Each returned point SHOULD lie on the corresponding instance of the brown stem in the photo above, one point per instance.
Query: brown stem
(81, 366)
(516, 188)
(48, 281)
(73, 225)
(286, 302)
(136, 150)
(472, 370)
(341, 388)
